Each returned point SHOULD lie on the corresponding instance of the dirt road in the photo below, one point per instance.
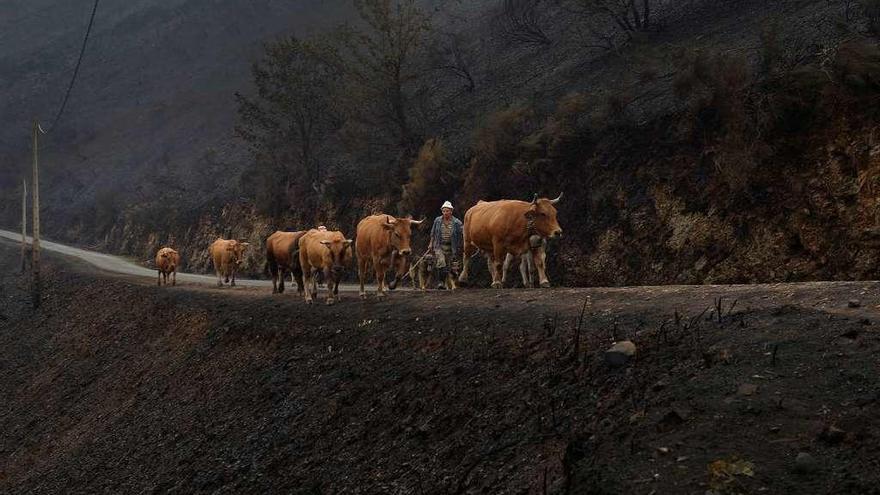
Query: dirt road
(122, 266)
(118, 386)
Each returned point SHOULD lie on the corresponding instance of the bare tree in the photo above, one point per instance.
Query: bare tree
(451, 56)
(630, 16)
(520, 22)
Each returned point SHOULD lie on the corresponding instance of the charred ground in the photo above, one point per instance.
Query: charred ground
(115, 385)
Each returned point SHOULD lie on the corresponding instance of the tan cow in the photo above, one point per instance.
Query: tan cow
(505, 226)
(227, 255)
(526, 263)
(282, 257)
(328, 251)
(167, 261)
(383, 241)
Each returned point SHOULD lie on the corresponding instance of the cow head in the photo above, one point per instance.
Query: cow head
(542, 214)
(236, 250)
(400, 230)
(339, 252)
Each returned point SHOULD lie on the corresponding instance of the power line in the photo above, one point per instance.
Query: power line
(82, 52)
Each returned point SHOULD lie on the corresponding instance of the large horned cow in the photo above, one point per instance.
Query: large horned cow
(383, 241)
(503, 227)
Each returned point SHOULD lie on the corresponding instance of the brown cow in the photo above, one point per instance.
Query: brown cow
(501, 227)
(383, 241)
(227, 255)
(329, 251)
(282, 257)
(167, 261)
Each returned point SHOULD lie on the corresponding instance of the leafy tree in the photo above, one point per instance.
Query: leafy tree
(294, 112)
(382, 64)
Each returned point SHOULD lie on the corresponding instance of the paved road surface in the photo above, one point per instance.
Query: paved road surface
(115, 264)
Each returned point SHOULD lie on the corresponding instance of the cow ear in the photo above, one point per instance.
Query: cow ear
(388, 226)
(244, 244)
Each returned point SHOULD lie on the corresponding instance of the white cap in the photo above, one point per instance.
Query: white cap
(447, 204)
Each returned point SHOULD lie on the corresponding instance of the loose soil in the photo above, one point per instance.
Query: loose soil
(117, 386)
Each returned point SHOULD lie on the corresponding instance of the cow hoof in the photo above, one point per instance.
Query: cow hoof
(233, 283)
(364, 296)
(545, 285)
(308, 301)
(496, 285)
(219, 284)
(330, 302)
(380, 295)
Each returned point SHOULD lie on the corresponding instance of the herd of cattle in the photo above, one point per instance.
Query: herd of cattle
(505, 231)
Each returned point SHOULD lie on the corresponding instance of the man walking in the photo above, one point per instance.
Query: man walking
(446, 242)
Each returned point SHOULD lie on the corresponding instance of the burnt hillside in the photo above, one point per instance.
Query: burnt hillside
(708, 142)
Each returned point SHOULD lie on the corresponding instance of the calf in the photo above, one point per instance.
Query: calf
(227, 255)
(167, 261)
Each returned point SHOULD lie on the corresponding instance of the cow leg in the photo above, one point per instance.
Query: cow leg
(309, 281)
(525, 270)
(273, 272)
(281, 276)
(362, 275)
(469, 250)
(328, 281)
(174, 277)
(159, 277)
(296, 273)
(505, 267)
(538, 257)
(380, 279)
(496, 261)
(494, 270)
(233, 277)
(219, 277)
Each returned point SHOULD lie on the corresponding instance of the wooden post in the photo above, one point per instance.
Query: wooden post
(23, 224)
(35, 248)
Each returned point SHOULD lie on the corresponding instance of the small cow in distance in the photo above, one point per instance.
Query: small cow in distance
(227, 255)
(167, 261)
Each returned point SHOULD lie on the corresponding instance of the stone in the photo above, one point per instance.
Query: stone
(854, 303)
(620, 353)
(747, 389)
(805, 463)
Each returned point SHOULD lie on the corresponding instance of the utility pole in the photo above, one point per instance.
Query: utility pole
(23, 224)
(35, 248)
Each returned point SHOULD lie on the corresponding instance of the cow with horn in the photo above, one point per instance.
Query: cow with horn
(383, 243)
(506, 226)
